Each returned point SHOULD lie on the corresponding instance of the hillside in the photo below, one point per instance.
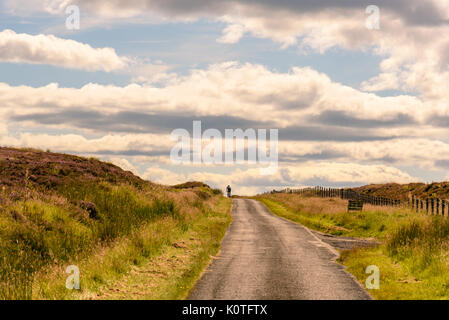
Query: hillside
(47, 169)
(403, 191)
(58, 210)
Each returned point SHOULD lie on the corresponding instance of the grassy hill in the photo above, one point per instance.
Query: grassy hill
(58, 210)
(402, 191)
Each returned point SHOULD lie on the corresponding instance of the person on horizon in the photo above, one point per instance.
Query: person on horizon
(228, 191)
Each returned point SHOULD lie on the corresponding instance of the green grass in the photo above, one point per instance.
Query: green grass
(401, 278)
(413, 257)
(41, 234)
(148, 248)
(368, 224)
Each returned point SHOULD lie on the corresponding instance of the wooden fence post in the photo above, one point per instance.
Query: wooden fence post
(443, 204)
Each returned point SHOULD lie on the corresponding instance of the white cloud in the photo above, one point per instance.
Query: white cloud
(282, 100)
(124, 164)
(48, 49)
(232, 89)
(412, 40)
(120, 144)
(163, 176)
(249, 181)
(232, 34)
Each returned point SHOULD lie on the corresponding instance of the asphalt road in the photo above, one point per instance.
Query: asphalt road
(266, 257)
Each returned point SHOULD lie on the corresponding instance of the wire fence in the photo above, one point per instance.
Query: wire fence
(428, 205)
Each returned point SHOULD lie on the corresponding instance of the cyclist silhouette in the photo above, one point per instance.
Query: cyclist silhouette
(228, 191)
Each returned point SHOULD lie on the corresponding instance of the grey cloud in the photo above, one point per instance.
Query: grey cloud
(386, 159)
(324, 155)
(439, 121)
(140, 122)
(339, 118)
(331, 155)
(414, 12)
(134, 152)
(329, 133)
(442, 164)
(137, 122)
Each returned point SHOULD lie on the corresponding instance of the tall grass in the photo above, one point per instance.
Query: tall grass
(330, 215)
(35, 234)
(422, 244)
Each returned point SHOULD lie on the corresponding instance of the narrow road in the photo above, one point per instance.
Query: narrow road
(266, 257)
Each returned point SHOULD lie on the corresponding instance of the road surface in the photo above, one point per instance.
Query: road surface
(266, 257)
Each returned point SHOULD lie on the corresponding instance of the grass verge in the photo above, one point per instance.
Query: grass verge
(329, 215)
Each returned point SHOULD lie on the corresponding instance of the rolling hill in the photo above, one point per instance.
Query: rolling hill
(58, 210)
(403, 191)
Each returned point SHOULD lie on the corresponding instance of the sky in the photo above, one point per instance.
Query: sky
(357, 90)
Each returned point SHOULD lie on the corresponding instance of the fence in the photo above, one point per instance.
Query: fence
(345, 194)
(429, 205)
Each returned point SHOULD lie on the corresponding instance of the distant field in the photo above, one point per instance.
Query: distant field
(413, 256)
(58, 210)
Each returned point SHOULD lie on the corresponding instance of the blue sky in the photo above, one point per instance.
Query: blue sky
(353, 105)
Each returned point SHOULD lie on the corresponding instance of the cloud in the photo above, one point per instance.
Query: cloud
(335, 133)
(412, 41)
(226, 96)
(249, 181)
(412, 152)
(135, 122)
(125, 144)
(343, 119)
(48, 49)
(163, 176)
(414, 12)
(329, 133)
(124, 164)
(232, 34)
(228, 91)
